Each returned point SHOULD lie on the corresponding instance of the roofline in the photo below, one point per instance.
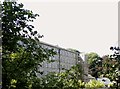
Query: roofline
(58, 47)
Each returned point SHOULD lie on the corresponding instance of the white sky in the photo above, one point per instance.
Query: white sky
(86, 26)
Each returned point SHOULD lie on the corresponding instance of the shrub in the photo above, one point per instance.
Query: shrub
(93, 84)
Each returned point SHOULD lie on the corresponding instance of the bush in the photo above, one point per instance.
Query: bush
(70, 79)
(93, 84)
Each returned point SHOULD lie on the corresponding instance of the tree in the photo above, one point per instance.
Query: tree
(112, 66)
(95, 65)
(91, 57)
(108, 65)
(22, 52)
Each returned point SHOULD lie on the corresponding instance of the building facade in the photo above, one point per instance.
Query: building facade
(64, 59)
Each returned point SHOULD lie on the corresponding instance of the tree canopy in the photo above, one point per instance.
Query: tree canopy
(106, 66)
(22, 52)
(94, 62)
(91, 57)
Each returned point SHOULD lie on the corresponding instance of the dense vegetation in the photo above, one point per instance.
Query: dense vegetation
(70, 79)
(106, 66)
(22, 53)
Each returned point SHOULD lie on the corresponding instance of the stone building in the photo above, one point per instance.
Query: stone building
(64, 59)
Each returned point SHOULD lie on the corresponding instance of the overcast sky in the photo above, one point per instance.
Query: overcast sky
(86, 26)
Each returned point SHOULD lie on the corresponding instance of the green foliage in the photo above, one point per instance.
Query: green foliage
(107, 66)
(67, 80)
(70, 79)
(95, 64)
(22, 52)
(92, 57)
(112, 65)
(94, 84)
